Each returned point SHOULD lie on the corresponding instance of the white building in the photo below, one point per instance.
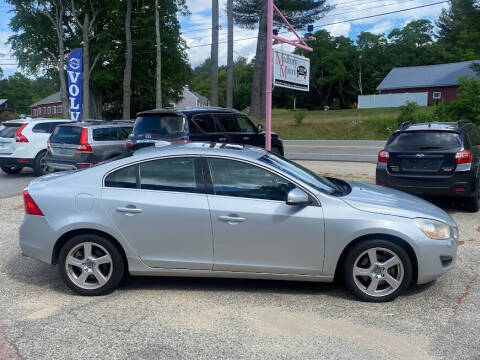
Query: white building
(191, 99)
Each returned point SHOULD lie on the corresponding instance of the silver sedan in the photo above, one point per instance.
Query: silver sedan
(217, 210)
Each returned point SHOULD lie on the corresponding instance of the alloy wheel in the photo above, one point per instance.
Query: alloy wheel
(44, 167)
(378, 272)
(89, 265)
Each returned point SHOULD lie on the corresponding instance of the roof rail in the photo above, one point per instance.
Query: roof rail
(128, 122)
(404, 125)
(464, 121)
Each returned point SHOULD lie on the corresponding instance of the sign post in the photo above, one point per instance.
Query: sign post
(74, 71)
(299, 43)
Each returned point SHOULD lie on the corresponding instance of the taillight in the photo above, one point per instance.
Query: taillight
(129, 143)
(19, 137)
(178, 141)
(83, 145)
(31, 208)
(48, 142)
(383, 156)
(463, 157)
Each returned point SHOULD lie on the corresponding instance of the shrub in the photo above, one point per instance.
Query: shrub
(299, 116)
(383, 127)
(408, 112)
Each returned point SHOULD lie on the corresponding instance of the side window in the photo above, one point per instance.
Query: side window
(245, 125)
(53, 125)
(239, 179)
(123, 178)
(227, 123)
(202, 124)
(105, 134)
(172, 174)
(43, 128)
(123, 132)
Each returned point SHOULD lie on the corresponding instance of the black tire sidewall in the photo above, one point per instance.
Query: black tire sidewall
(276, 151)
(365, 245)
(118, 264)
(36, 164)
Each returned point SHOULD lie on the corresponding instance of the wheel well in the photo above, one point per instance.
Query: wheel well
(406, 246)
(67, 236)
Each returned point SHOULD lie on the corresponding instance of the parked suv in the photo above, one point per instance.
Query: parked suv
(201, 124)
(433, 159)
(23, 143)
(79, 145)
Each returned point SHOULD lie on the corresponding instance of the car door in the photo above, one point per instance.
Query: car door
(247, 132)
(203, 127)
(227, 127)
(254, 230)
(158, 208)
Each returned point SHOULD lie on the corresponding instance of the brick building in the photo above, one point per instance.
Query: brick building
(439, 81)
(51, 106)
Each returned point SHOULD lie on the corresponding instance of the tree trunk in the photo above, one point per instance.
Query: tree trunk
(86, 68)
(230, 55)
(158, 83)
(127, 73)
(61, 63)
(214, 68)
(257, 100)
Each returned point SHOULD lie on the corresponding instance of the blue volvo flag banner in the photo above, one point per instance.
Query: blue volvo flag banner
(74, 71)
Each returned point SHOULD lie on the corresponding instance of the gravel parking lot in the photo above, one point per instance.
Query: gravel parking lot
(185, 318)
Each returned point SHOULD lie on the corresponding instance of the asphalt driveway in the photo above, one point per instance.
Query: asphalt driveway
(186, 318)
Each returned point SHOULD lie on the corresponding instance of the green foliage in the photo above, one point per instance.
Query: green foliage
(408, 112)
(467, 106)
(299, 116)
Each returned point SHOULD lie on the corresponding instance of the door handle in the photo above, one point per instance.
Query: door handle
(222, 139)
(246, 138)
(231, 219)
(129, 210)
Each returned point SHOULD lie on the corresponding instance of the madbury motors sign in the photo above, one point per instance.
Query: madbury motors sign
(291, 71)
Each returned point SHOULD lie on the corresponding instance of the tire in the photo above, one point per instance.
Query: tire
(276, 151)
(87, 275)
(399, 274)
(40, 167)
(473, 204)
(12, 170)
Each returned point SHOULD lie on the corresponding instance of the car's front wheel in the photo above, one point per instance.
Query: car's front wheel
(12, 170)
(91, 265)
(377, 270)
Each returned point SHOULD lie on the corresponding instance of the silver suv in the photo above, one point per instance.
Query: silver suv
(79, 145)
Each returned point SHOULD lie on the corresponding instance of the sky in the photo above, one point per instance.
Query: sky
(197, 33)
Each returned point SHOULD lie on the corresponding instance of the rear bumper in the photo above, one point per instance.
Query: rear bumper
(36, 238)
(16, 161)
(459, 184)
(79, 163)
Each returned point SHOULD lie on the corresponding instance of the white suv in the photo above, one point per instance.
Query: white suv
(23, 143)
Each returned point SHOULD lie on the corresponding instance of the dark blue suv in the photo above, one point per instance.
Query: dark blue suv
(199, 124)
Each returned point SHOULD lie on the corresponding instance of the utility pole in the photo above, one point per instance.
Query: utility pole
(214, 68)
(127, 73)
(230, 55)
(158, 73)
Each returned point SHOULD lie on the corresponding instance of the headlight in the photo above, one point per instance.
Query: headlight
(434, 229)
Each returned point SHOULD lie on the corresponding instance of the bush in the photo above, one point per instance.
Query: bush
(299, 116)
(408, 112)
(383, 127)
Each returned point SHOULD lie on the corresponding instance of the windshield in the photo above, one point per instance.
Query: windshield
(66, 135)
(318, 182)
(7, 130)
(424, 140)
(161, 127)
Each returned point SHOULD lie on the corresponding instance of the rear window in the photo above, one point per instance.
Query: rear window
(424, 140)
(66, 135)
(105, 134)
(7, 130)
(162, 127)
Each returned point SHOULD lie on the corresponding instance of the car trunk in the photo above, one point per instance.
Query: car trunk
(427, 153)
(64, 142)
(7, 137)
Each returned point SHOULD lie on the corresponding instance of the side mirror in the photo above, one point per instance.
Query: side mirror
(260, 128)
(297, 197)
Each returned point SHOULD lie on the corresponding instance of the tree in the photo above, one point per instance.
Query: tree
(252, 13)
(459, 31)
(230, 54)
(158, 69)
(127, 74)
(39, 39)
(214, 55)
(373, 61)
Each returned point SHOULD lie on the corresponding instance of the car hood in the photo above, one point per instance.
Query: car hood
(382, 200)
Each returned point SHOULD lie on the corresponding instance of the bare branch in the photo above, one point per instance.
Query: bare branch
(74, 13)
(93, 64)
(93, 20)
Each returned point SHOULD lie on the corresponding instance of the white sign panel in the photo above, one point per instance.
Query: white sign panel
(291, 71)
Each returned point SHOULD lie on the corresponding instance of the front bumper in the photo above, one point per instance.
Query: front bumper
(435, 258)
(15, 161)
(459, 184)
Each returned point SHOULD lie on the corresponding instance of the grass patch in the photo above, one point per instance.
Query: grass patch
(361, 124)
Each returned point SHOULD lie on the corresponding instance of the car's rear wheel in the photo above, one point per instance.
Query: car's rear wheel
(276, 151)
(377, 270)
(91, 265)
(40, 164)
(12, 170)
(473, 204)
